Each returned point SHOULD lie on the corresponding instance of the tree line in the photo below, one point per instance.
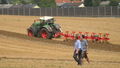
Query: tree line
(97, 2)
(51, 3)
(41, 3)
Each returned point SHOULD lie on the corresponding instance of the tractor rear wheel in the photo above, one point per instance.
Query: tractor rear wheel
(30, 33)
(44, 33)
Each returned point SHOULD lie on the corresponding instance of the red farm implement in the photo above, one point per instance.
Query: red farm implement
(94, 37)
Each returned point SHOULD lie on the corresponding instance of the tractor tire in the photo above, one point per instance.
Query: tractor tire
(44, 33)
(30, 33)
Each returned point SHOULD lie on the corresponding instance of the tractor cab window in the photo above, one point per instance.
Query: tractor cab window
(42, 21)
(50, 21)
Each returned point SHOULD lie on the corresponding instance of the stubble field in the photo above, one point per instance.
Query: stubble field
(19, 51)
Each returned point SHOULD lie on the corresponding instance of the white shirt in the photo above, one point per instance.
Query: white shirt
(77, 44)
(84, 45)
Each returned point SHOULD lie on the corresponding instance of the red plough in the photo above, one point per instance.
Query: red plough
(101, 37)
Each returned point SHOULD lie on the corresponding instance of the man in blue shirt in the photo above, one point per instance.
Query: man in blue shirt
(84, 47)
(77, 51)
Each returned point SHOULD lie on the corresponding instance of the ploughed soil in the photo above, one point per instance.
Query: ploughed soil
(96, 45)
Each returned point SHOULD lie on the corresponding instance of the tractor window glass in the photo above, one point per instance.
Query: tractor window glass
(51, 21)
(42, 21)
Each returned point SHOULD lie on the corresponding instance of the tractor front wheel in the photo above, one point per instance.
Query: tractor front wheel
(30, 33)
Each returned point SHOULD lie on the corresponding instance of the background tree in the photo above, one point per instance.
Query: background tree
(96, 2)
(88, 3)
(23, 1)
(3, 1)
(114, 2)
(15, 1)
(46, 3)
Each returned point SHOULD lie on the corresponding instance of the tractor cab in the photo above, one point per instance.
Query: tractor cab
(46, 20)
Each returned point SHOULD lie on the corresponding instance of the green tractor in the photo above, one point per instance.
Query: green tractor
(44, 28)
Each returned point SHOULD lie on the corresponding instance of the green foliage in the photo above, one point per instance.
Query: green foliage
(104, 0)
(46, 3)
(114, 3)
(3, 2)
(23, 2)
(92, 2)
(88, 2)
(19, 2)
(15, 1)
(41, 3)
(96, 2)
